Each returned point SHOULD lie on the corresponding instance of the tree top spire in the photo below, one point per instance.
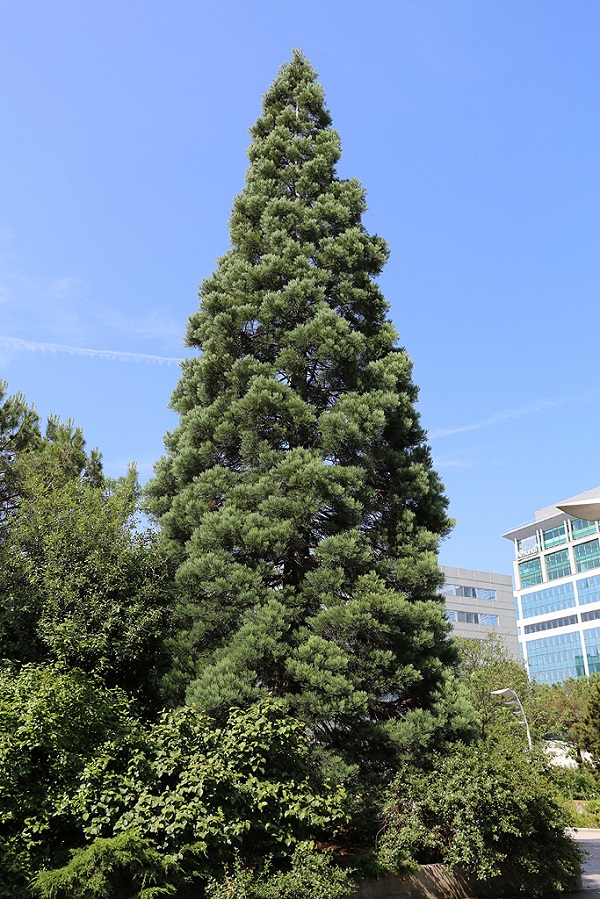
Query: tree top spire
(295, 94)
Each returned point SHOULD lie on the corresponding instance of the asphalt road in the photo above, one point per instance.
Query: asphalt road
(589, 840)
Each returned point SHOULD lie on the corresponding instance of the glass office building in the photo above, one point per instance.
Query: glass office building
(557, 595)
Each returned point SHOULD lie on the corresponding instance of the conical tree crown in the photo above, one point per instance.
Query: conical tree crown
(298, 491)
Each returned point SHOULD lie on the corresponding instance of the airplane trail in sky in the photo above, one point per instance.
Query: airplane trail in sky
(15, 343)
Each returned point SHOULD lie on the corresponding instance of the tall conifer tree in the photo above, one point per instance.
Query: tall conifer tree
(298, 492)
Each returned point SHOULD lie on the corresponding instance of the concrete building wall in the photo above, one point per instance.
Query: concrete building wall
(481, 602)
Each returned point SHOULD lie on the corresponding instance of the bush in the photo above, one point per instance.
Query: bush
(52, 721)
(188, 797)
(577, 783)
(479, 809)
(311, 875)
(582, 815)
(123, 867)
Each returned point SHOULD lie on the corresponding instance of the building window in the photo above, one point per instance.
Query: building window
(588, 589)
(530, 573)
(468, 592)
(472, 618)
(488, 620)
(554, 659)
(587, 555)
(554, 536)
(581, 528)
(590, 616)
(551, 624)
(558, 565)
(516, 608)
(540, 602)
(527, 545)
(592, 648)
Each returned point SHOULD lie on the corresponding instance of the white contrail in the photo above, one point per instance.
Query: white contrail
(540, 405)
(16, 343)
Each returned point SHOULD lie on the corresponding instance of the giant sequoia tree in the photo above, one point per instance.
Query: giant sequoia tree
(297, 493)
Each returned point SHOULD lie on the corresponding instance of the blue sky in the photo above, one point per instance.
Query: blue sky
(474, 127)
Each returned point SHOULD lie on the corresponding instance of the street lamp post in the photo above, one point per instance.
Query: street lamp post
(508, 691)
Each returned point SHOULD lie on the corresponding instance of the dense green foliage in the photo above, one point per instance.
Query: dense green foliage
(52, 720)
(486, 665)
(80, 583)
(54, 456)
(310, 874)
(588, 727)
(560, 708)
(195, 795)
(481, 808)
(19, 431)
(122, 867)
(298, 496)
(128, 867)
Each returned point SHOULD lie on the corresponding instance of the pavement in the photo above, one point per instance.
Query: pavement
(589, 840)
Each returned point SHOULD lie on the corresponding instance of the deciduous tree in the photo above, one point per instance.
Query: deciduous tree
(82, 585)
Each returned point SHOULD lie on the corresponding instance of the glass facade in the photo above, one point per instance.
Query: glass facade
(540, 602)
(554, 536)
(592, 648)
(594, 615)
(588, 589)
(558, 564)
(550, 624)
(587, 555)
(581, 528)
(558, 590)
(530, 573)
(554, 659)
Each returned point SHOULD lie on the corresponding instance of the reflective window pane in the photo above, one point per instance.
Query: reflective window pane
(530, 573)
(550, 624)
(587, 555)
(554, 659)
(550, 599)
(528, 544)
(558, 564)
(581, 528)
(588, 589)
(554, 536)
(592, 648)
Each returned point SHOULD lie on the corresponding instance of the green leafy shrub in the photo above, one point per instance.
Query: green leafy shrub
(577, 783)
(196, 795)
(51, 723)
(478, 809)
(583, 814)
(82, 586)
(311, 875)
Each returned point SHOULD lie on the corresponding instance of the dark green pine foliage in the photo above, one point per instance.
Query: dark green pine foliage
(298, 493)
